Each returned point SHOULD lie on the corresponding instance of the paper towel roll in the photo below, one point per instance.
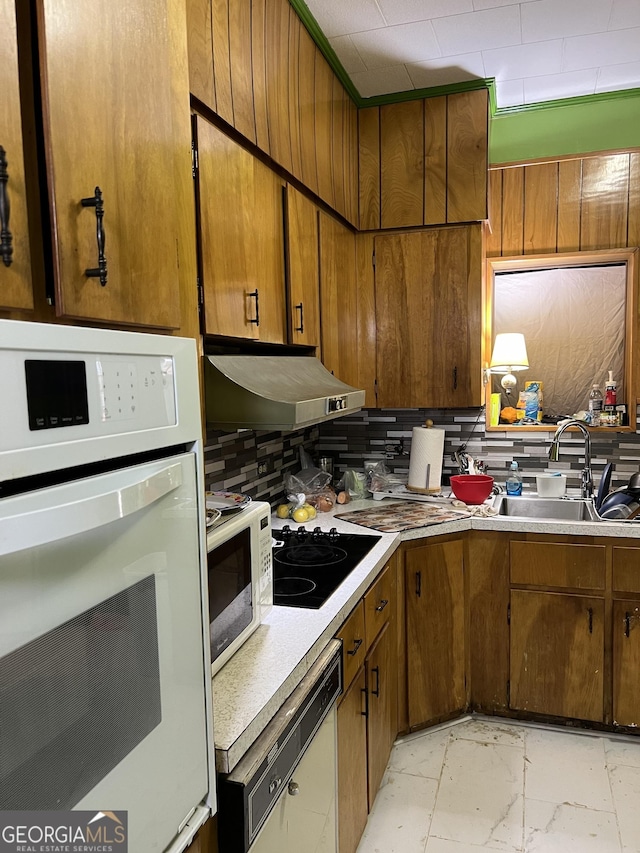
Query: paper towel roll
(425, 462)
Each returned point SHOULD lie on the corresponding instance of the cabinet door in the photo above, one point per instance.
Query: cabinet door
(557, 654)
(242, 240)
(338, 299)
(626, 663)
(302, 269)
(352, 765)
(382, 701)
(434, 582)
(15, 261)
(428, 287)
(108, 120)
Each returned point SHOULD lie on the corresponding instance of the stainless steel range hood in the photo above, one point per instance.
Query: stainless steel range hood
(274, 392)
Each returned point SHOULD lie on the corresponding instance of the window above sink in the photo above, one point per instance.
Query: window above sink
(568, 347)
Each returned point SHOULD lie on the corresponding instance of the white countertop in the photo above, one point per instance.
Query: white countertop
(250, 688)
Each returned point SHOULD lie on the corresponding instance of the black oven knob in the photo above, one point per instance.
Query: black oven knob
(301, 533)
(333, 534)
(317, 533)
(286, 531)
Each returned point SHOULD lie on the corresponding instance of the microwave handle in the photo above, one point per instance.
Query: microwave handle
(41, 527)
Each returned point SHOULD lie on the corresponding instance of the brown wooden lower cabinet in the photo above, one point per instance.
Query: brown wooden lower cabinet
(626, 663)
(368, 710)
(434, 584)
(557, 654)
(382, 719)
(352, 765)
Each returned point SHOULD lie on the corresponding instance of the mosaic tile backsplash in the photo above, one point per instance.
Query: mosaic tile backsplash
(386, 434)
(232, 460)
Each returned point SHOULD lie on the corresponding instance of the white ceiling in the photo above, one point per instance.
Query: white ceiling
(537, 50)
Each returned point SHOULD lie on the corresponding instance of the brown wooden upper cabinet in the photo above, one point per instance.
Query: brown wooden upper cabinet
(254, 64)
(303, 291)
(113, 151)
(338, 299)
(241, 240)
(428, 287)
(424, 162)
(15, 259)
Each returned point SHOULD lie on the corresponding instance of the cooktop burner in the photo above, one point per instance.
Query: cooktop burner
(309, 565)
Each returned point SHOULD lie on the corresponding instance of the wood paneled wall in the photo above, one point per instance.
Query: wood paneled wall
(255, 65)
(565, 205)
(424, 162)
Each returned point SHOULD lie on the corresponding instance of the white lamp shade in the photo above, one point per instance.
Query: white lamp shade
(509, 353)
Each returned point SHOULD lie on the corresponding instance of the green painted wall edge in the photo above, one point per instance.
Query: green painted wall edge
(603, 122)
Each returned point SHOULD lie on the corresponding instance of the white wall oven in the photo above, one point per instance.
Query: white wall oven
(240, 571)
(105, 697)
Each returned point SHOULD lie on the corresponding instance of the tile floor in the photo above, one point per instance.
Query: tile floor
(485, 785)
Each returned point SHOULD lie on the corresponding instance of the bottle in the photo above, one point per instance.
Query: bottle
(595, 405)
(514, 480)
(610, 393)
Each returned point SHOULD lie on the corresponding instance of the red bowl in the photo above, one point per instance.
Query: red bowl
(471, 488)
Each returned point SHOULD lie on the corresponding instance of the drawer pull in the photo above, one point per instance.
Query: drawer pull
(255, 295)
(627, 624)
(418, 584)
(99, 272)
(365, 713)
(376, 669)
(300, 328)
(382, 605)
(356, 646)
(6, 238)
(590, 612)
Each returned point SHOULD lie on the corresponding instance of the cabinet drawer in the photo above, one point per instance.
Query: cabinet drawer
(558, 565)
(379, 604)
(626, 569)
(353, 645)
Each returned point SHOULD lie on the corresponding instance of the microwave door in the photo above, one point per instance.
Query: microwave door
(231, 605)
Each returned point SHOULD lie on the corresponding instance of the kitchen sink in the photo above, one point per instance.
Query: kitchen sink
(558, 509)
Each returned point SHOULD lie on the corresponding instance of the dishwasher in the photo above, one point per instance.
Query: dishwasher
(281, 796)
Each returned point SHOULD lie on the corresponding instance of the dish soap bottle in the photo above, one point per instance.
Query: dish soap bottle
(611, 395)
(595, 405)
(514, 480)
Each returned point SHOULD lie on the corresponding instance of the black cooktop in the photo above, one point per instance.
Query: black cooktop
(309, 565)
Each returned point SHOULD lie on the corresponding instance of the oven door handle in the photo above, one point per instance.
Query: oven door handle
(40, 527)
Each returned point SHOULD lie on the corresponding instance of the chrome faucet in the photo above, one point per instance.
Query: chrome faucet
(586, 489)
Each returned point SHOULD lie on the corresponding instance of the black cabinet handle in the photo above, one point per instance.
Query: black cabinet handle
(6, 249)
(455, 378)
(627, 624)
(100, 271)
(382, 605)
(590, 612)
(254, 295)
(376, 692)
(418, 584)
(356, 646)
(300, 328)
(365, 713)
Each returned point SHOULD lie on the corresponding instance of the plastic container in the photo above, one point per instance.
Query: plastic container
(551, 485)
(596, 401)
(471, 488)
(514, 480)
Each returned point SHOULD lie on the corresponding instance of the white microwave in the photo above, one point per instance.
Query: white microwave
(240, 576)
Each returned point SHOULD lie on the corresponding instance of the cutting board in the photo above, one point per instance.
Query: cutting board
(394, 517)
